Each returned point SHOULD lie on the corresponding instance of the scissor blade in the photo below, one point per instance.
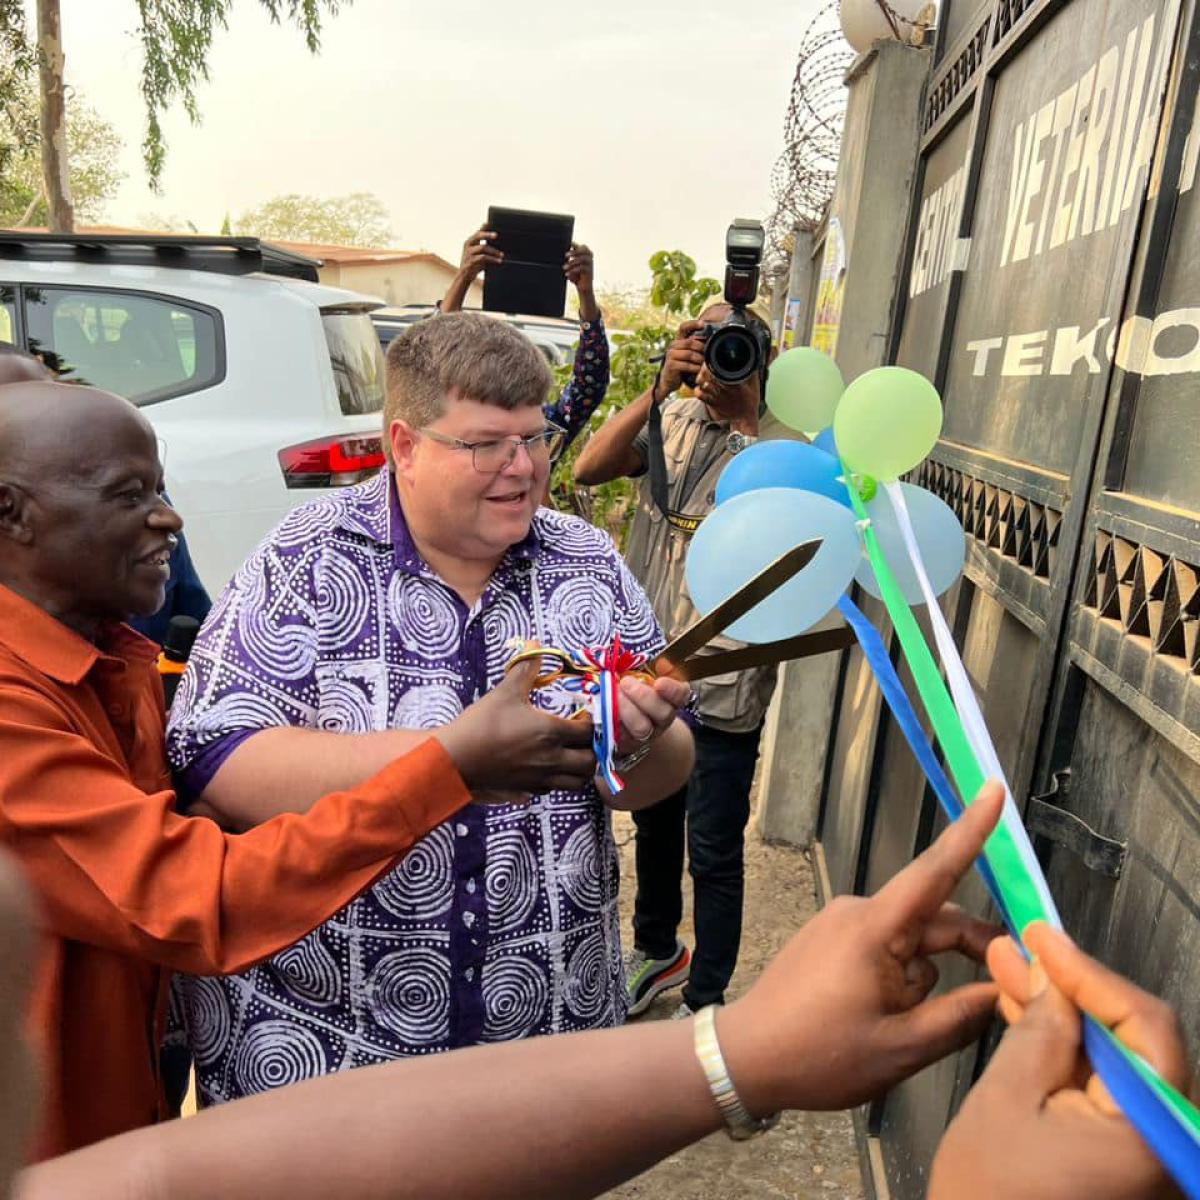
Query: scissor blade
(768, 580)
(804, 646)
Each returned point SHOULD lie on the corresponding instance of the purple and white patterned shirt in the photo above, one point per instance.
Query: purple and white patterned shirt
(501, 923)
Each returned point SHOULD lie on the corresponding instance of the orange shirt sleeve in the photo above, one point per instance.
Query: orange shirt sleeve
(119, 868)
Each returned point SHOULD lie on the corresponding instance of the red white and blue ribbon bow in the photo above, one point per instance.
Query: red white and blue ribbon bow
(595, 673)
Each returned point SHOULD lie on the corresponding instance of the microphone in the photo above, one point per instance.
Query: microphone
(181, 634)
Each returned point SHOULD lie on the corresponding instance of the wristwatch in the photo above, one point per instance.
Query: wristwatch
(736, 442)
(739, 1124)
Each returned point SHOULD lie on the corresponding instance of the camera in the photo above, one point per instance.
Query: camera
(739, 346)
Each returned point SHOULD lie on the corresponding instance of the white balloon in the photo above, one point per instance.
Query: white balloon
(864, 23)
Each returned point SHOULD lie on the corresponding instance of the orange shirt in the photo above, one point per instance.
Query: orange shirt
(129, 889)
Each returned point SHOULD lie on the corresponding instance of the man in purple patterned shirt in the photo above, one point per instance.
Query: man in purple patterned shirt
(366, 618)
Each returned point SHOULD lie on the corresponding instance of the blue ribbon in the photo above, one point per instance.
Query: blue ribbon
(880, 662)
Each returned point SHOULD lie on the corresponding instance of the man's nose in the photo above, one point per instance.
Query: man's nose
(521, 463)
(163, 516)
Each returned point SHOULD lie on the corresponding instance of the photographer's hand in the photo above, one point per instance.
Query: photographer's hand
(685, 356)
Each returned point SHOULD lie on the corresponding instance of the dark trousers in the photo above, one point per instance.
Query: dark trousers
(714, 808)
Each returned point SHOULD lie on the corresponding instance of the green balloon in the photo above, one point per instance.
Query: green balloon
(887, 422)
(803, 388)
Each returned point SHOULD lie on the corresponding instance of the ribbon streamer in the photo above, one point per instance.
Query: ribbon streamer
(880, 662)
(1167, 1120)
(967, 704)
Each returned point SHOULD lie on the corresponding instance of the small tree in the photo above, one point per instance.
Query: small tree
(93, 146)
(359, 219)
(176, 38)
(675, 293)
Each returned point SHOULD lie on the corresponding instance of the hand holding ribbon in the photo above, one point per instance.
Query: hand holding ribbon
(628, 706)
(1040, 1092)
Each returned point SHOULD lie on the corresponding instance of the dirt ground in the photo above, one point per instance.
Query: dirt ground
(808, 1156)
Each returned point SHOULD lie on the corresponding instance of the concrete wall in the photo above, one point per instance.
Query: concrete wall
(875, 177)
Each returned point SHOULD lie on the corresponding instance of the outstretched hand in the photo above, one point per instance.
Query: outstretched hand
(846, 1011)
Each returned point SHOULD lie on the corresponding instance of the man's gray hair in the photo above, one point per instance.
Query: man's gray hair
(478, 357)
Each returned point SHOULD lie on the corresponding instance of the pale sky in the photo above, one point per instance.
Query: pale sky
(655, 122)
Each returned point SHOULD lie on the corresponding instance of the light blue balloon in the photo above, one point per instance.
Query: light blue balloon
(749, 532)
(785, 464)
(940, 539)
(825, 441)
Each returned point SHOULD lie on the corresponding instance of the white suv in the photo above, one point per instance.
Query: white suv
(262, 384)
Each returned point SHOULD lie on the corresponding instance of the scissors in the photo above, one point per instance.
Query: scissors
(682, 658)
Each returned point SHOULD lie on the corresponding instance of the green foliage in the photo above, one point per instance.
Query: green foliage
(176, 37)
(93, 147)
(359, 219)
(648, 330)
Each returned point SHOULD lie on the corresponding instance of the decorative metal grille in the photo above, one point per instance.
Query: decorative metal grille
(1151, 595)
(955, 74)
(1013, 526)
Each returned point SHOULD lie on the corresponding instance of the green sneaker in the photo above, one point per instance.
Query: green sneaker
(646, 977)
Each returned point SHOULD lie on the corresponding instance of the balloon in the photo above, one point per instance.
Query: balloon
(749, 532)
(887, 422)
(825, 441)
(803, 388)
(782, 464)
(940, 539)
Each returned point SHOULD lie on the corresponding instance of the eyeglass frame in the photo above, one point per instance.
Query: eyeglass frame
(513, 441)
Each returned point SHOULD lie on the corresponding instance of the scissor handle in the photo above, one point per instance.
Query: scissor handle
(544, 678)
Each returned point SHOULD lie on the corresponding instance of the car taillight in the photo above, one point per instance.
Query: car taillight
(331, 462)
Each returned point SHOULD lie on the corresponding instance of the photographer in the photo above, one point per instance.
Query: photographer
(677, 442)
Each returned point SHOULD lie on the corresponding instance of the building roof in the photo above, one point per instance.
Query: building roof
(360, 255)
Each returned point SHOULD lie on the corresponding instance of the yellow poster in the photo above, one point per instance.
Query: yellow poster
(831, 291)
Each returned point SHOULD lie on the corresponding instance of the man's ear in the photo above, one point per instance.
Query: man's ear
(14, 513)
(402, 439)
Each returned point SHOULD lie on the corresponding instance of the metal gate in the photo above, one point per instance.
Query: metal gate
(1053, 293)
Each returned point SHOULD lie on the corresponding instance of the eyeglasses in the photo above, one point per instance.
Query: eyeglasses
(493, 456)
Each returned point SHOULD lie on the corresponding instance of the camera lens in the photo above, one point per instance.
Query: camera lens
(732, 354)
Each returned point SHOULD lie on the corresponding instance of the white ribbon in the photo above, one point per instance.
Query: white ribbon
(967, 703)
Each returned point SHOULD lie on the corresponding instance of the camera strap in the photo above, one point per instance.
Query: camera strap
(657, 466)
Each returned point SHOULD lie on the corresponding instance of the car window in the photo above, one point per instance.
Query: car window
(145, 348)
(357, 361)
(8, 314)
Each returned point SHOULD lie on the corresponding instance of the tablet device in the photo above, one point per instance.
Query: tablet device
(530, 280)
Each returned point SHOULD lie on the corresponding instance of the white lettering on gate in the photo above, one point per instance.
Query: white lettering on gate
(934, 256)
(1079, 162)
(1136, 347)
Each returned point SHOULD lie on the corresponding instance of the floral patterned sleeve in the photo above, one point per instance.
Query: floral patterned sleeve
(581, 397)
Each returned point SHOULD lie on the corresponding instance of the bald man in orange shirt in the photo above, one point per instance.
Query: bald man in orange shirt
(130, 890)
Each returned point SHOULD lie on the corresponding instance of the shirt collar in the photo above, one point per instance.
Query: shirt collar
(55, 649)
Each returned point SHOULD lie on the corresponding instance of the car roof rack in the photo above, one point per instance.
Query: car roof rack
(221, 255)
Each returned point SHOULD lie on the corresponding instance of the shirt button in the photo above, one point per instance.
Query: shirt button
(469, 919)
(469, 974)
(470, 887)
(461, 829)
